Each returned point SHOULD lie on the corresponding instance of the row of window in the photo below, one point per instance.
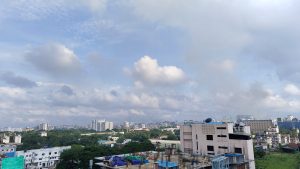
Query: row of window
(236, 149)
(211, 137)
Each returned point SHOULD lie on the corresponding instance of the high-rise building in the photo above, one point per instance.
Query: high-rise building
(43, 126)
(126, 125)
(102, 125)
(217, 138)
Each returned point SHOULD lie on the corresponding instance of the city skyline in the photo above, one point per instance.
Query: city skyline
(69, 63)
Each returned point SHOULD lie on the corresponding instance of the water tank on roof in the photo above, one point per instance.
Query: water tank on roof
(208, 120)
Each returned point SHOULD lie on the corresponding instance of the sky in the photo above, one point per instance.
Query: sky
(68, 62)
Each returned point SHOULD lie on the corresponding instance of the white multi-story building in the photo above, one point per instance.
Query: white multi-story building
(43, 126)
(102, 125)
(217, 138)
(126, 125)
(42, 158)
(11, 139)
(17, 139)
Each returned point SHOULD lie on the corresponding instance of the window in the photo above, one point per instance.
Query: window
(221, 128)
(238, 150)
(197, 145)
(196, 137)
(210, 148)
(209, 137)
(211, 153)
(223, 147)
(222, 135)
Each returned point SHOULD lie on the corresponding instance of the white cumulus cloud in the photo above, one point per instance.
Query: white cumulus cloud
(147, 71)
(54, 59)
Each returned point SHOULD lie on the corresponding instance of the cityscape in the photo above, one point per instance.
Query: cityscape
(149, 84)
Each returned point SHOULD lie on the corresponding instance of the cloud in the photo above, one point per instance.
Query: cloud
(148, 72)
(136, 112)
(55, 59)
(292, 89)
(67, 90)
(19, 81)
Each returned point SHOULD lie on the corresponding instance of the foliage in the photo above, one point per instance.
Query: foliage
(32, 139)
(278, 161)
(78, 157)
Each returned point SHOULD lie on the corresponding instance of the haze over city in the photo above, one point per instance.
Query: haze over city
(66, 62)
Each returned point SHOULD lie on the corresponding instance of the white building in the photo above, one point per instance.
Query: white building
(126, 125)
(11, 139)
(43, 126)
(43, 134)
(42, 158)
(102, 125)
(17, 139)
(5, 139)
(217, 138)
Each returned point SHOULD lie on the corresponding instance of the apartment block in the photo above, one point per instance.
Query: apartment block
(217, 138)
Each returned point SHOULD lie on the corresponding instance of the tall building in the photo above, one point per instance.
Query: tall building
(217, 138)
(126, 125)
(102, 125)
(43, 126)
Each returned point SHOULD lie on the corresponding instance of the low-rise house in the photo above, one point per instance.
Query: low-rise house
(42, 158)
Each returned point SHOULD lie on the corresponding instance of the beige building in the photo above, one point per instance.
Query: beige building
(217, 138)
(259, 126)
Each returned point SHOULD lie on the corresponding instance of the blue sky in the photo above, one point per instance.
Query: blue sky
(70, 62)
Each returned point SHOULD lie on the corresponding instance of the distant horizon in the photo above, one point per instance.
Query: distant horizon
(143, 122)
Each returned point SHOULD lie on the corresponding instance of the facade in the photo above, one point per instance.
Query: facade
(102, 125)
(42, 158)
(7, 149)
(217, 138)
(289, 124)
(259, 126)
(43, 126)
(126, 125)
(43, 134)
(10, 139)
(166, 143)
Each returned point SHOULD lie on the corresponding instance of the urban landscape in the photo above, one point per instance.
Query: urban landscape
(244, 143)
(149, 84)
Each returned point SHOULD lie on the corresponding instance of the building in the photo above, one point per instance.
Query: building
(217, 138)
(10, 139)
(42, 158)
(102, 125)
(4, 139)
(289, 124)
(126, 125)
(43, 134)
(43, 126)
(175, 144)
(259, 126)
(17, 139)
(7, 150)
